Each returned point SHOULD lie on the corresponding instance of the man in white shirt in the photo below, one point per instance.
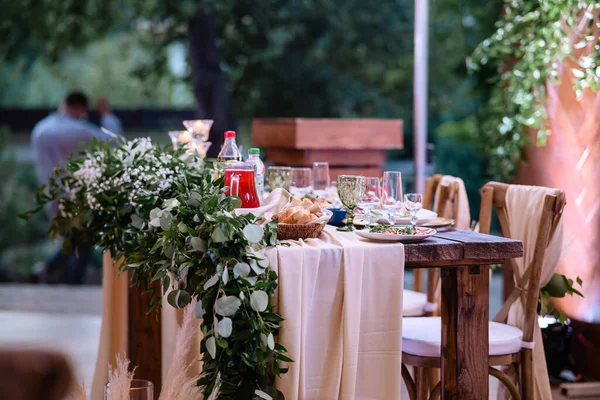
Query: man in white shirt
(53, 140)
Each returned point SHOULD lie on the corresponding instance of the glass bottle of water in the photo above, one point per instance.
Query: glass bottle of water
(229, 153)
(259, 171)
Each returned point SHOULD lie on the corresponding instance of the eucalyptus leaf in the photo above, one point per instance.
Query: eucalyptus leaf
(262, 395)
(270, 341)
(241, 269)
(225, 276)
(224, 327)
(155, 213)
(218, 235)
(256, 268)
(155, 222)
(136, 221)
(254, 233)
(211, 346)
(227, 305)
(212, 281)
(198, 310)
(259, 300)
(198, 244)
(165, 220)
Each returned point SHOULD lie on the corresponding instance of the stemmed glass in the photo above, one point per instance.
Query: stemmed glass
(301, 181)
(199, 128)
(351, 190)
(413, 202)
(392, 193)
(320, 178)
(140, 389)
(179, 138)
(371, 199)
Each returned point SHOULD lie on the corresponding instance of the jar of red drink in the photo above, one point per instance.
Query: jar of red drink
(239, 177)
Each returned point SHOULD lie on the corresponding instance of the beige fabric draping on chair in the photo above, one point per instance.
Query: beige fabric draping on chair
(461, 214)
(113, 332)
(524, 209)
(341, 298)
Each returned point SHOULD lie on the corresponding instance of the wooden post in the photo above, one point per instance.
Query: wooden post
(145, 337)
(465, 348)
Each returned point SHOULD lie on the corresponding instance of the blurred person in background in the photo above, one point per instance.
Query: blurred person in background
(53, 140)
(108, 120)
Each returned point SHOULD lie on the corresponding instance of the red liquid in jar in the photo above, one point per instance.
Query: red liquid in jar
(246, 188)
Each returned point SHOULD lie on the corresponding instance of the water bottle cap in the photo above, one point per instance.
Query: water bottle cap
(230, 135)
(254, 151)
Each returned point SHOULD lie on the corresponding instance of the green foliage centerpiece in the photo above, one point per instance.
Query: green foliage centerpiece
(161, 211)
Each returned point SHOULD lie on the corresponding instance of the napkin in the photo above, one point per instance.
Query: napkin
(273, 204)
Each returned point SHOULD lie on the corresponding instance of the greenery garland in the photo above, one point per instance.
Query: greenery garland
(532, 40)
(162, 211)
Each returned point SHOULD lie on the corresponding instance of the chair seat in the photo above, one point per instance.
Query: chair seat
(413, 303)
(422, 337)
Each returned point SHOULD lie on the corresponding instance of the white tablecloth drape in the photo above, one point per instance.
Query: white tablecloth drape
(341, 298)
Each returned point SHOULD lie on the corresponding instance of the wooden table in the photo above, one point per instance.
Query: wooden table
(464, 258)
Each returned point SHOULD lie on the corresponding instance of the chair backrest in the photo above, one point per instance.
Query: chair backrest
(32, 375)
(493, 195)
(445, 205)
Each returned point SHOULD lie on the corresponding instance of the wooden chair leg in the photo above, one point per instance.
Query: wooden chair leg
(505, 379)
(410, 384)
(527, 374)
(433, 375)
(422, 385)
(435, 392)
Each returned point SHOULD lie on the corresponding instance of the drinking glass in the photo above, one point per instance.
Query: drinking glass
(199, 128)
(351, 190)
(301, 181)
(140, 390)
(279, 177)
(413, 202)
(392, 193)
(371, 198)
(320, 178)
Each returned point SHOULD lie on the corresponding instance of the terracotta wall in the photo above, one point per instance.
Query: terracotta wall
(571, 161)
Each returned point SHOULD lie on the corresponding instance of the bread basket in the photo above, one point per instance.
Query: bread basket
(299, 231)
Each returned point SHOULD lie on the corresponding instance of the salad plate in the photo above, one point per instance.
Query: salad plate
(405, 234)
(403, 218)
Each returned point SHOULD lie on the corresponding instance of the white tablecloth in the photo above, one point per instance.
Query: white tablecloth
(341, 298)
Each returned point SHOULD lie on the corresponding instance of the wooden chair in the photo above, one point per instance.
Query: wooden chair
(33, 375)
(416, 302)
(506, 342)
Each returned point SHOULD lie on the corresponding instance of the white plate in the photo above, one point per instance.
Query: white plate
(386, 237)
(423, 216)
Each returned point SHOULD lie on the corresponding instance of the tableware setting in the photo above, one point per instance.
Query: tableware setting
(404, 234)
(439, 222)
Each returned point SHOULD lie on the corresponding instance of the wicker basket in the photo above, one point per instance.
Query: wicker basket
(299, 231)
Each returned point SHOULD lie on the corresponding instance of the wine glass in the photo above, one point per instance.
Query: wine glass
(413, 202)
(320, 178)
(279, 177)
(392, 193)
(301, 181)
(351, 190)
(140, 389)
(371, 198)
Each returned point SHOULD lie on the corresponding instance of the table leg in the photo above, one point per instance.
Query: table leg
(465, 348)
(145, 338)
